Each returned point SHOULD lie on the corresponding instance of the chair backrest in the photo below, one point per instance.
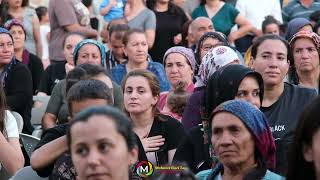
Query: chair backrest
(4, 175)
(27, 173)
(19, 120)
(38, 112)
(29, 142)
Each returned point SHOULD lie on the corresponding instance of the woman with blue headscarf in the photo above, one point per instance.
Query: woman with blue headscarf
(87, 51)
(242, 142)
(16, 80)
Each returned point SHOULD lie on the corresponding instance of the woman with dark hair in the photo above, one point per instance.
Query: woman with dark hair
(16, 80)
(159, 134)
(33, 62)
(136, 49)
(11, 157)
(170, 19)
(282, 102)
(270, 26)
(102, 144)
(224, 16)
(20, 10)
(51, 156)
(304, 153)
(242, 142)
(230, 82)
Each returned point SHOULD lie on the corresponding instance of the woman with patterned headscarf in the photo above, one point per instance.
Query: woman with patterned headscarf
(242, 143)
(216, 58)
(305, 68)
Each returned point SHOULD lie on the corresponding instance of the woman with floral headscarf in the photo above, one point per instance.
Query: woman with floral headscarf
(242, 142)
(216, 58)
(305, 68)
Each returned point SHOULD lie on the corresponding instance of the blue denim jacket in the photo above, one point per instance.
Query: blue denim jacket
(120, 71)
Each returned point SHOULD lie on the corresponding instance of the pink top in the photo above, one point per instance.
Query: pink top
(163, 96)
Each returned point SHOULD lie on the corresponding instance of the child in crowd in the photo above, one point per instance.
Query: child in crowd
(176, 101)
(112, 9)
(43, 15)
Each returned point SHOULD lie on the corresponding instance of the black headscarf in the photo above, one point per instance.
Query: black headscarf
(223, 86)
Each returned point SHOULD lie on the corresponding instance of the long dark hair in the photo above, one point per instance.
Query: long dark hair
(308, 125)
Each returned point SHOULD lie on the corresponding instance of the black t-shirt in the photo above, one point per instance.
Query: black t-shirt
(51, 76)
(169, 24)
(63, 167)
(283, 117)
(172, 131)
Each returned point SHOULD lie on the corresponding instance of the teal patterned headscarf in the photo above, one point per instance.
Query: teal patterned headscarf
(94, 42)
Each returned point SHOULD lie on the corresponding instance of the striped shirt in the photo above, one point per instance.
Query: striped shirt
(295, 9)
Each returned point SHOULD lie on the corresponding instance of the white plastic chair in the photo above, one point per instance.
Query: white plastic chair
(19, 120)
(38, 112)
(27, 173)
(4, 175)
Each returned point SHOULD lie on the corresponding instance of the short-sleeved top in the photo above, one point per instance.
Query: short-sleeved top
(145, 20)
(223, 20)
(63, 13)
(283, 116)
(120, 71)
(115, 12)
(11, 126)
(28, 15)
(172, 131)
(169, 24)
(51, 76)
(295, 9)
(57, 104)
